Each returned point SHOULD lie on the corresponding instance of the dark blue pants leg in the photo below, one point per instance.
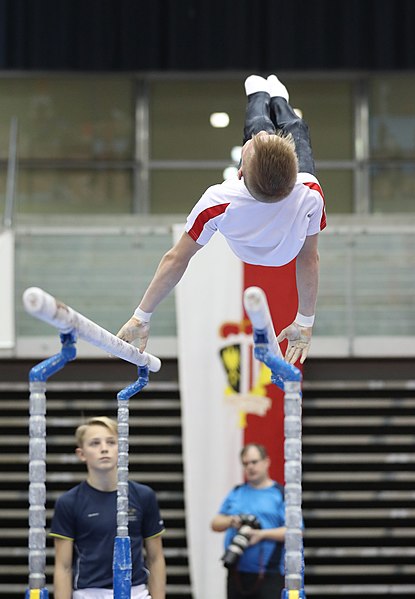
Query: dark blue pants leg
(257, 117)
(285, 120)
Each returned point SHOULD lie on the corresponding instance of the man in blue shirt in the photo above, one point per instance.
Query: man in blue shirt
(84, 525)
(258, 572)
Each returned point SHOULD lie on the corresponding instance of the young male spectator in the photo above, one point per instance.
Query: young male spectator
(84, 525)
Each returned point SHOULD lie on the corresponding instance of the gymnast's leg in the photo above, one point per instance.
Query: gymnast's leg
(257, 117)
(287, 121)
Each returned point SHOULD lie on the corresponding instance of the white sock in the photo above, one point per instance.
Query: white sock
(276, 88)
(255, 83)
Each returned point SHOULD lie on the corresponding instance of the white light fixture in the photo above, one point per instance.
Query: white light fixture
(230, 172)
(219, 119)
(236, 153)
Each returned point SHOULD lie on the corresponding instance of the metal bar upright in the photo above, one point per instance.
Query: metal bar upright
(37, 464)
(288, 378)
(122, 562)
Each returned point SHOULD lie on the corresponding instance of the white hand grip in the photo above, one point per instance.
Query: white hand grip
(256, 306)
(44, 306)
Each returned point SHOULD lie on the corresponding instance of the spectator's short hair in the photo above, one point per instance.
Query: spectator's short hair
(261, 448)
(104, 421)
(272, 167)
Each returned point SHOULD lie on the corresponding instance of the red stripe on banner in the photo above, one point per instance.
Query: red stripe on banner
(205, 216)
(316, 187)
(279, 285)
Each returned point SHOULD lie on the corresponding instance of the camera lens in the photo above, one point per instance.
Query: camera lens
(238, 545)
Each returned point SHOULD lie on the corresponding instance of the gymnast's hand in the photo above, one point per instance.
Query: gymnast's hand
(299, 340)
(135, 329)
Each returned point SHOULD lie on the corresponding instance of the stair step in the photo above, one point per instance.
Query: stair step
(351, 404)
(59, 405)
(172, 590)
(374, 496)
(354, 476)
(360, 552)
(352, 440)
(21, 533)
(16, 513)
(359, 533)
(23, 495)
(357, 513)
(77, 477)
(72, 423)
(22, 570)
(133, 458)
(68, 440)
(66, 387)
(376, 591)
(363, 570)
(359, 458)
(358, 421)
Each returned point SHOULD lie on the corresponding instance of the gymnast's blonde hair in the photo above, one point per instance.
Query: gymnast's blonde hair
(271, 168)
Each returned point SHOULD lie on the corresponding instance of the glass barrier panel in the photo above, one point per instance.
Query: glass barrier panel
(338, 190)
(101, 274)
(69, 191)
(180, 127)
(384, 284)
(69, 117)
(392, 116)
(393, 188)
(367, 283)
(328, 108)
(177, 190)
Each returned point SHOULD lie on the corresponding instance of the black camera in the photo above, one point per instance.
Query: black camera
(241, 540)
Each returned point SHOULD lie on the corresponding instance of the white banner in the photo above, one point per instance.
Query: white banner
(7, 332)
(209, 295)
